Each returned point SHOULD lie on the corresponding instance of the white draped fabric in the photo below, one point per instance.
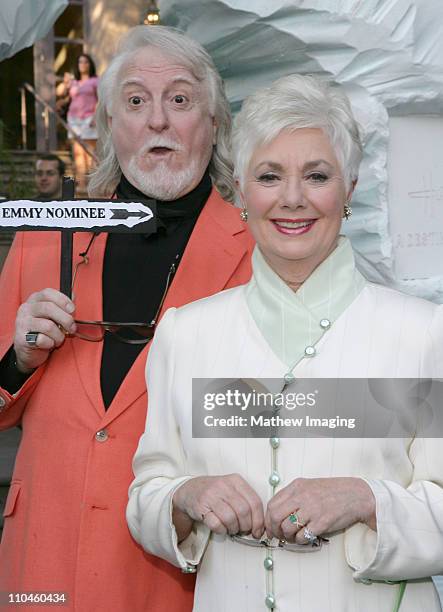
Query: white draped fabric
(22, 22)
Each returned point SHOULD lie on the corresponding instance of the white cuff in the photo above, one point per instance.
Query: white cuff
(190, 551)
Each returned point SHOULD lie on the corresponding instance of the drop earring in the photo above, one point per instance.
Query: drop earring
(347, 211)
(244, 215)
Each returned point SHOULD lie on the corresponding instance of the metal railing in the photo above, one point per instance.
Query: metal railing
(48, 109)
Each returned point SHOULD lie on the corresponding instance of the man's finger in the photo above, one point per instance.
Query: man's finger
(54, 296)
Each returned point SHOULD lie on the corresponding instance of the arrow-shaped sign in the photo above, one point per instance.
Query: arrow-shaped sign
(77, 215)
(125, 214)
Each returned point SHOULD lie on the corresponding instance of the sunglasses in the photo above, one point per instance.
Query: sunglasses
(127, 332)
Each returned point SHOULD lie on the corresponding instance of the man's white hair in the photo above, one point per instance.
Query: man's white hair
(292, 102)
(192, 56)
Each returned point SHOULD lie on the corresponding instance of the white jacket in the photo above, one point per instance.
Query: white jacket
(381, 333)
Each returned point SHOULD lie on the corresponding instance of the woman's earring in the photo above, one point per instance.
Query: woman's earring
(244, 215)
(347, 211)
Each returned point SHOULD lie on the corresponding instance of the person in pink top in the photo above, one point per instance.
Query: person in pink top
(83, 93)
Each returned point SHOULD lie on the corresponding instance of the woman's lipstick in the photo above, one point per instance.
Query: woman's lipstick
(293, 227)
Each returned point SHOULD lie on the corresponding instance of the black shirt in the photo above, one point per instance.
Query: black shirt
(135, 270)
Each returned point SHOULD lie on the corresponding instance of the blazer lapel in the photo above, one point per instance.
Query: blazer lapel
(211, 255)
(88, 300)
(210, 259)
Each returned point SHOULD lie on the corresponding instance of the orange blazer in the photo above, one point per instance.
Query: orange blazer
(65, 528)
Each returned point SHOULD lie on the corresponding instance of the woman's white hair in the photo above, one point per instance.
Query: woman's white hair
(192, 56)
(292, 102)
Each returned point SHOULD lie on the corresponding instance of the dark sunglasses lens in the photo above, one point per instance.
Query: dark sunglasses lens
(133, 333)
(127, 340)
(129, 333)
(91, 332)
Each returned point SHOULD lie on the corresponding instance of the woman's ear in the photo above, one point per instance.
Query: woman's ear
(241, 197)
(351, 190)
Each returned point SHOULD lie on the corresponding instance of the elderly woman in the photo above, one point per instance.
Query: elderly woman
(241, 510)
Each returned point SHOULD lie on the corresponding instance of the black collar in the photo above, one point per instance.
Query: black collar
(186, 207)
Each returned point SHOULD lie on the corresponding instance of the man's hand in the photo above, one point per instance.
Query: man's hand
(48, 313)
(226, 504)
(323, 505)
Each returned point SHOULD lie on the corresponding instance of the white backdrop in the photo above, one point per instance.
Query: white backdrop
(388, 54)
(22, 22)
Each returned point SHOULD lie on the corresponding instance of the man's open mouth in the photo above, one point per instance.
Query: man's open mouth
(160, 150)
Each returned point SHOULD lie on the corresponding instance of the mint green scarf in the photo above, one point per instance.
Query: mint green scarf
(290, 321)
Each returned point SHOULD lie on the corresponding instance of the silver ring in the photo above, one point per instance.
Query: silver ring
(310, 536)
(31, 339)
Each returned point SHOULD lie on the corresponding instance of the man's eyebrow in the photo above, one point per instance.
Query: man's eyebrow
(132, 81)
(140, 83)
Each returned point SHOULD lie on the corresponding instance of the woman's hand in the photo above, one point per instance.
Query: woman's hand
(226, 504)
(47, 313)
(63, 87)
(323, 505)
(67, 79)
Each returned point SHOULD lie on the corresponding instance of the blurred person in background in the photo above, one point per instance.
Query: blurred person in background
(82, 90)
(49, 171)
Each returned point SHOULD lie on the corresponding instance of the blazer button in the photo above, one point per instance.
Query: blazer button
(102, 435)
(2, 403)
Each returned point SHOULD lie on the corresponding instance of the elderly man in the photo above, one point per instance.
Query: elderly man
(49, 171)
(164, 124)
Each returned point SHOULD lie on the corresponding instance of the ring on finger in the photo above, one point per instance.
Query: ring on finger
(309, 535)
(31, 339)
(295, 519)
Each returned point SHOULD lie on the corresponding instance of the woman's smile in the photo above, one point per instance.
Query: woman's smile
(293, 227)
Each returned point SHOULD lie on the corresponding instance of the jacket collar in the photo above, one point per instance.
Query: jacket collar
(293, 322)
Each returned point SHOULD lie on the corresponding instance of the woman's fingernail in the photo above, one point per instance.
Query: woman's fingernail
(70, 307)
